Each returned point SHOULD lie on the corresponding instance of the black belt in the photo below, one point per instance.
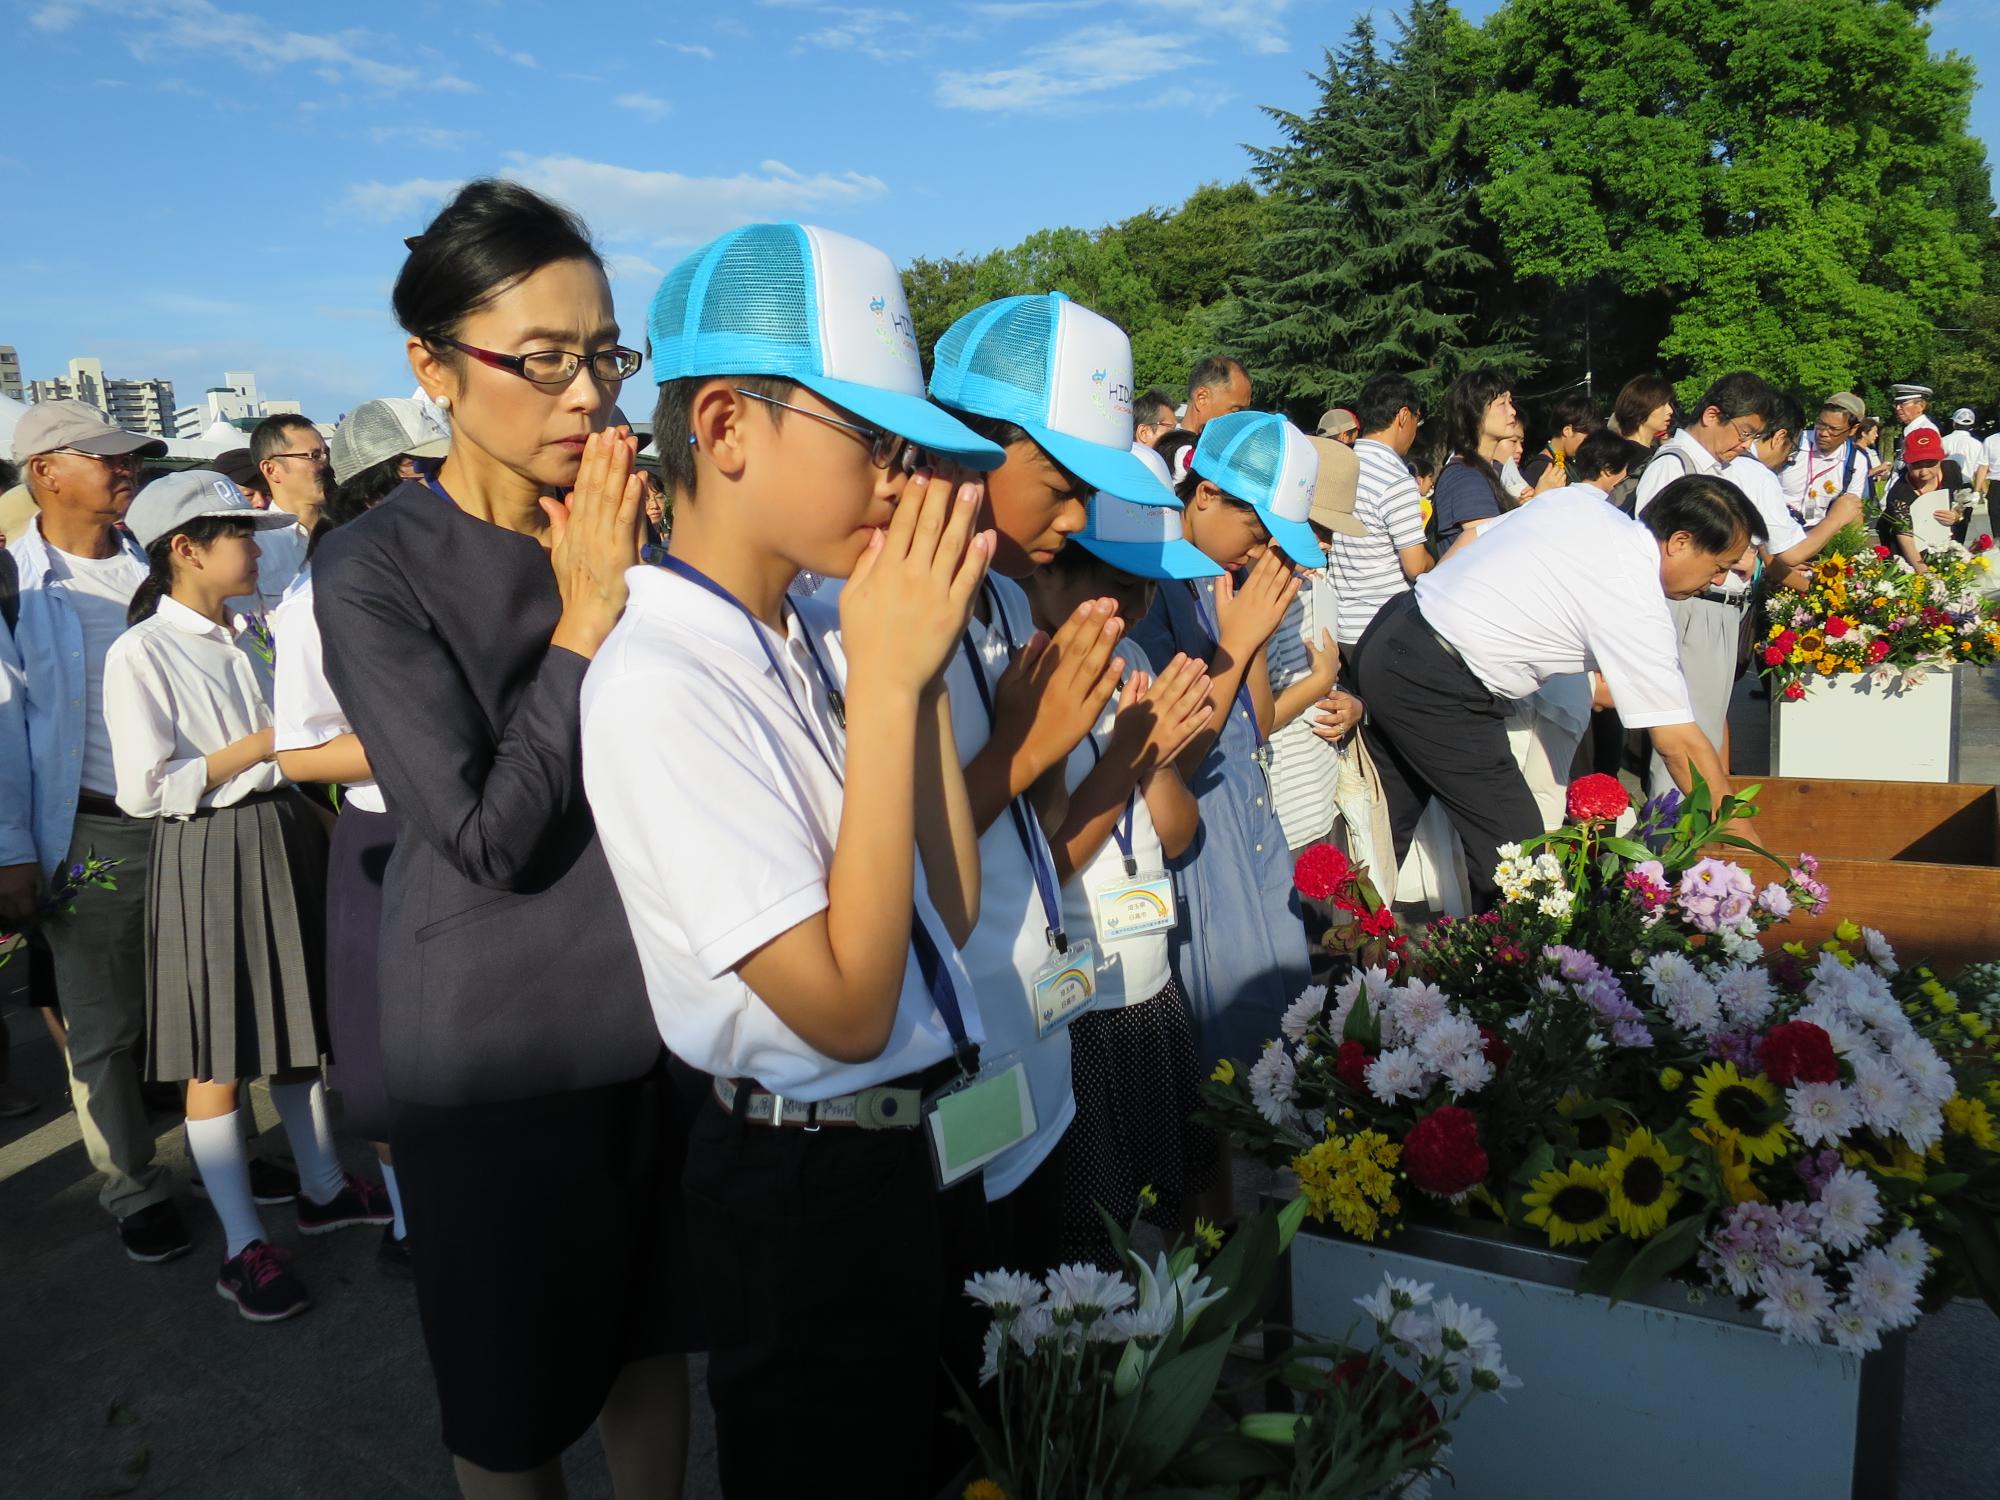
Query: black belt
(278, 794)
(1718, 596)
(100, 806)
(1444, 645)
(894, 1104)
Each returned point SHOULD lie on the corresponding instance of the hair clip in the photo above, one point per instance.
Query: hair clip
(410, 242)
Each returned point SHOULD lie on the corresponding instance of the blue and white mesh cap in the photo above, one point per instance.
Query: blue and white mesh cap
(1263, 460)
(1143, 540)
(1060, 373)
(809, 305)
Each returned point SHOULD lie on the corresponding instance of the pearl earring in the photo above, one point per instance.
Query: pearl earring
(444, 403)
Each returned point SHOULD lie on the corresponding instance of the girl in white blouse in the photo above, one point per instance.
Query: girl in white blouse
(236, 905)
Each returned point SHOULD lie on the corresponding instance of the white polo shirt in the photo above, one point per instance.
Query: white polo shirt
(1133, 969)
(304, 712)
(1010, 943)
(1565, 584)
(1761, 487)
(1678, 456)
(718, 817)
(1812, 481)
(1970, 453)
(1992, 460)
(281, 556)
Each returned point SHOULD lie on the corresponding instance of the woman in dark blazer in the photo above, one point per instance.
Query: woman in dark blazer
(534, 1126)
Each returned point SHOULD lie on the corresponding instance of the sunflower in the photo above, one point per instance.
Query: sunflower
(1643, 1191)
(1593, 1132)
(1735, 1106)
(1572, 1206)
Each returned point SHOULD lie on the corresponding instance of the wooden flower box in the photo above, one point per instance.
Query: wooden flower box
(1656, 1398)
(1918, 861)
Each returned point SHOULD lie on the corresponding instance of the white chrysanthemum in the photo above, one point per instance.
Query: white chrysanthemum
(1667, 971)
(1821, 1113)
(1509, 851)
(1849, 1208)
(1303, 1012)
(1414, 1009)
(1792, 1249)
(1548, 867)
(1880, 1093)
(1693, 1006)
(1464, 1329)
(1005, 1292)
(1853, 1330)
(1746, 995)
(1739, 945)
(1273, 1082)
(989, 1353)
(1882, 1290)
(1907, 1249)
(1923, 1069)
(1922, 1125)
(1397, 1074)
(1033, 1325)
(1467, 1073)
(1407, 1291)
(1739, 1268)
(1795, 1303)
(1447, 1036)
(1879, 951)
(1556, 904)
(1087, 1290)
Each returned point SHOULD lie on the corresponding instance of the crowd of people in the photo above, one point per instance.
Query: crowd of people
(744, 893)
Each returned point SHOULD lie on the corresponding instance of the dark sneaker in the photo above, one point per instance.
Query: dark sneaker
(155, 1233)
(393, 1259)
(359, 1202)
(261, 1284)
(270, 1182)
(15, 1103)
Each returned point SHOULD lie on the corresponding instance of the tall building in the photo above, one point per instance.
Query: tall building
(236, 402)
(136, 405)
(10, 373)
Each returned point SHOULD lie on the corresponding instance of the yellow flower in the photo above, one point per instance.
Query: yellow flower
(1352, 1180)
(983, 1489)
(1945, 1004)
(1736, 1178)
(1225, 1072)
(1847, 932)
(1733, 1104)
(1573, 1206)
(1208, 1235)
(1671, 1079)
(1971, 1119)
(1975, 1026)
(1148, 1198)
(1643, 1191)
(1796, 949)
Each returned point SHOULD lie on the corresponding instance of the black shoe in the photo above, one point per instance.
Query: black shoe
(163, 1098)
(393, 1259)
(358, 1202)
(261, 1284)
(270, 1182)
(15, 1103)
(155, 1233)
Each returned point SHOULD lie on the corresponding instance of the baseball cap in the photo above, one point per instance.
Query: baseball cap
(49, 425)
(1335, 489)
(1963, 417)
(377, 431)
(1924, 446)
(236, 465)
(1335, 420)
(1263, 460)
(1059, 372)
(1144, 540)
(809, 305)
(171, 501)
(1846, 401)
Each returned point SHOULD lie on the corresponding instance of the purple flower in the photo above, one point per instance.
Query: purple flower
(76, 872)
(1774, 901)
(1816, 1169)
(1739, 1047)
(1714, 894)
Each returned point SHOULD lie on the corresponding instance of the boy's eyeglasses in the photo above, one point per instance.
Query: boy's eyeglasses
(884, 447)
(556, 367)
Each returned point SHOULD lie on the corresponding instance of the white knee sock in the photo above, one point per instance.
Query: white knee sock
(302, 1106)
(217, 1146)
(395, 1199)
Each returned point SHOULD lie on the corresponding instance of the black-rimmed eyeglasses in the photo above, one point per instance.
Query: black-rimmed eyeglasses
(884, 447)
(556, 367)
(312, 456)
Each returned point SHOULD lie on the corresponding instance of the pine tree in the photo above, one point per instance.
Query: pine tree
(1376, 258)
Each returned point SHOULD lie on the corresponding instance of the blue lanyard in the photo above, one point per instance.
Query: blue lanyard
(1121, 831)
(1214, 633)
(1034, 843)
(930, 958)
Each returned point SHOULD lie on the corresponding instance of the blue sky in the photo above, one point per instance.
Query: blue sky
(201, 185)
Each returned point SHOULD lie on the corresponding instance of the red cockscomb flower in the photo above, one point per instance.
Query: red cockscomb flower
(1319, 871)
(1442, 1153)
(1795, 1052)
(1497, 1051)
(1379, 923)
(1984, 544)
(1882, 552)
(1836, 627)
(1419, 1425)
(1597, 798)
(1878, 649)
(1351, 1063)
(1794, 691)
(1773, 657)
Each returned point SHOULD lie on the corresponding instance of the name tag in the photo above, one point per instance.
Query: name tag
(1065, 987)
(967, 1127)
(1133, 908)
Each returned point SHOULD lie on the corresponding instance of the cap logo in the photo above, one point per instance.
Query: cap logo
(897, 331)
(224, 490)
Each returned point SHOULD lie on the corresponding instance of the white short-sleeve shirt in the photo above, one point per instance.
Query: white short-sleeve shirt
(304, 712)
(1992, 446)
(1566, 583)
(1366, 570)
(1812, 481)
(1762, 488)
(718, 816)
(1133, 969)
(1010, 943)
(1679, 456)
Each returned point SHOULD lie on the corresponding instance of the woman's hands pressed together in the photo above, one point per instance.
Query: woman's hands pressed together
(594, 536)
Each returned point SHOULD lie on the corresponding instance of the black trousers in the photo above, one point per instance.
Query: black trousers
(820, 1259)
(1436, 731)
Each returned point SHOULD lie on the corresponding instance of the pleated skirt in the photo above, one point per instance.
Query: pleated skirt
(236, 942)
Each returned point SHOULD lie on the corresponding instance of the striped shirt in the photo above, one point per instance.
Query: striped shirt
(1365, 570)
(1304, 767)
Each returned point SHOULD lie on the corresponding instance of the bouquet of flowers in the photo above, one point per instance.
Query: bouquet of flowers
(1103, 1385)
(1865, 609)
(61, 897)
(1622, 1070)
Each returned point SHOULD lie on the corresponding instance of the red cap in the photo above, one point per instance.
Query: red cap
(1923, 446)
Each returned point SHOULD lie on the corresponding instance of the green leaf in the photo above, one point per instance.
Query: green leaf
(1165, 1411)
(1363, 1025)
(1229, 1458)
(1945, 1182)
(1626, 848)
(1662, 1255)
(1244, 1266)
(1541, 1157)
(1979, 1240)
(1601, 1272)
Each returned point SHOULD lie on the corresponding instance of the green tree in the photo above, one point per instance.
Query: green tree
(1783, 185)
(1376, 258)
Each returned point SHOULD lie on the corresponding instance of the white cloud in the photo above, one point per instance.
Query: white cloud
(499, 48)
(692, 49)
(1257, 24)
(629, 206)
(1072, 72)
(625, 266)
(652, 106)
(151, 29)
(425, 137)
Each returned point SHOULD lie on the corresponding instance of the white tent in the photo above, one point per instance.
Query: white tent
(11, 412)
